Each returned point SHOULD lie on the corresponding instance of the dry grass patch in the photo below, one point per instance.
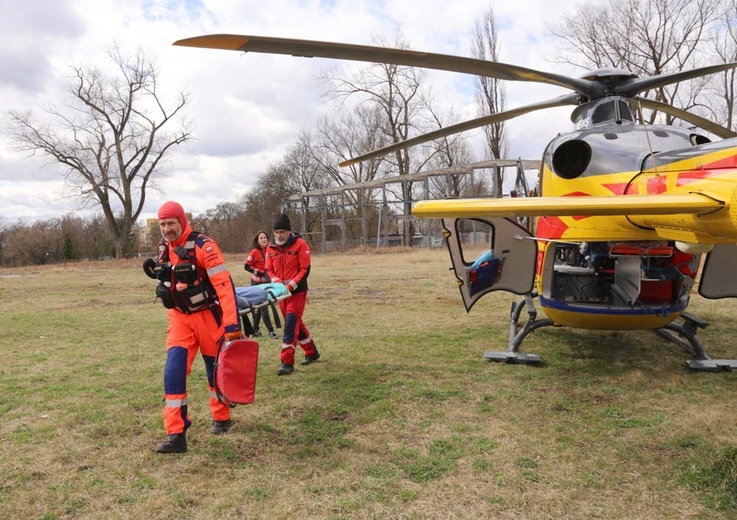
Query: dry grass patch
(401, 417)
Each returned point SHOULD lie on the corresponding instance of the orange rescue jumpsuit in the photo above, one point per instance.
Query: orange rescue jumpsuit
(201, 329)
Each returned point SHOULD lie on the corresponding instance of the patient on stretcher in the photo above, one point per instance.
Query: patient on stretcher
(263, 296)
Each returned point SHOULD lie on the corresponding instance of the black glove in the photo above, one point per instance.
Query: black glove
(149, 267)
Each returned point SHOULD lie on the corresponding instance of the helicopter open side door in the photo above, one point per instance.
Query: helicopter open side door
(490, 255)
(718, 279)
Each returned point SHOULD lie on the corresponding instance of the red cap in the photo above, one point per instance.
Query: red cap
(175, 210)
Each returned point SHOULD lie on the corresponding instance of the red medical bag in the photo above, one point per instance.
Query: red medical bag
(235, 371)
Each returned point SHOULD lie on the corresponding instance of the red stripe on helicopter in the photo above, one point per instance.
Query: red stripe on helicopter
(551, 227)
(707, 171)
(656, 185)
(689, 177)
(616, 188)
(577, 194)
(632, 189)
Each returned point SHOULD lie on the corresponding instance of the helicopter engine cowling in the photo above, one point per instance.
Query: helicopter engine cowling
(591, 150)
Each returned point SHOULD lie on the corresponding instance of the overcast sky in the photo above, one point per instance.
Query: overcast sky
(247, 110)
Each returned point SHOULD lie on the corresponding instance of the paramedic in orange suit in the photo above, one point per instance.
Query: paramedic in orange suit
(288, 261)
(202, 310)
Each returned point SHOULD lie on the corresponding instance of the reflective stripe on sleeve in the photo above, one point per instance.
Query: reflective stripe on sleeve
(217, 269)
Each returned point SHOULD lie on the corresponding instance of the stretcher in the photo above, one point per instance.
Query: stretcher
(262, 297)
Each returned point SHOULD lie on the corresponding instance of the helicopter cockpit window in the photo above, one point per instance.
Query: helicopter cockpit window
(603, 113)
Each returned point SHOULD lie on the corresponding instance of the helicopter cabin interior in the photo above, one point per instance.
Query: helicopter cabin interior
(618, 273)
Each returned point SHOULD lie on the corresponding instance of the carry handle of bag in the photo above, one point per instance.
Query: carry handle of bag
(221, 398)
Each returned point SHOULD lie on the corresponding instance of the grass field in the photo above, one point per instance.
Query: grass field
(400, 419)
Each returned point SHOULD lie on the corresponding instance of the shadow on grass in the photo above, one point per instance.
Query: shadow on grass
(610, 353)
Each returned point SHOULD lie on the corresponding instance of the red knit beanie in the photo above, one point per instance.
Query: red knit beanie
(175, 210)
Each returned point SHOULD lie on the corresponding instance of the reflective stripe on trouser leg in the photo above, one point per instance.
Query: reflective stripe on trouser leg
(287, 354)
(218, 410)
(307, 344)
(176, 418)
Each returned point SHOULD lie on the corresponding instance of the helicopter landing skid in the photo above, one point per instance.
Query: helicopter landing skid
(517, 335)
(684, 335)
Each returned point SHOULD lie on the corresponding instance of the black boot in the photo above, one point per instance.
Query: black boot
(219, 427)
(174, 443)
(309, 359)
(285, 369)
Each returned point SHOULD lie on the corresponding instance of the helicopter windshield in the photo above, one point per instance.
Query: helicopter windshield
(608, 110)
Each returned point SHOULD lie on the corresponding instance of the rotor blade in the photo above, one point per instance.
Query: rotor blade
(691, 203)
(373, 54)
(635, 86)
(568, 99)
(720, 131)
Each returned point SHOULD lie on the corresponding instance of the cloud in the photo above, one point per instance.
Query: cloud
(31, 31)
(246, 110)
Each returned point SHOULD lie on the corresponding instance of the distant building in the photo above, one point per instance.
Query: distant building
(149, 235)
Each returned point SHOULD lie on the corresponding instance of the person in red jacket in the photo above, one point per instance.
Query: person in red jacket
(256, 265)
(196, 288)
(288, 261)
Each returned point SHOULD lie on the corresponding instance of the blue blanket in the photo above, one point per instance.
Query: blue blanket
(255, 295)
(275, 289)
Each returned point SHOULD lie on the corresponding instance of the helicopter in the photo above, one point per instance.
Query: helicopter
(612, 236)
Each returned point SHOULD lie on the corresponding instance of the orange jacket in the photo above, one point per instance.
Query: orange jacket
(210, 265)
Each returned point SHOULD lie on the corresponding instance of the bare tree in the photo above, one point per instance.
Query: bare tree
(263, 202)
(725, 47)
(111, 139)
(646, 37)
(447, 152)
(490, 92)
(395, 91)
(54, 240)
(227, 222)
(348, 136)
